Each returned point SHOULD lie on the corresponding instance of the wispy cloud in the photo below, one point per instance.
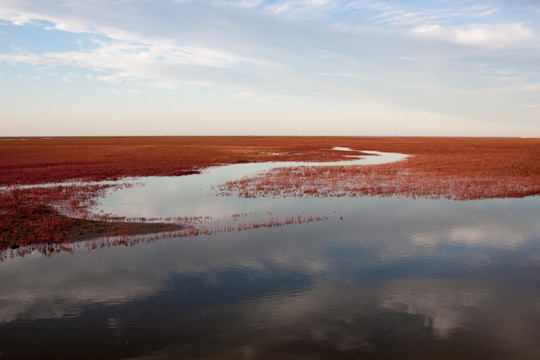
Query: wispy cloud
(70, 77)
(134, 61)
(417, 55)
(300, 6)
(403, 18)
(487, 36)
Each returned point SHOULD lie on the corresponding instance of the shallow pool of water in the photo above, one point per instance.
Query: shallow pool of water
(381, 278)
(199, 195)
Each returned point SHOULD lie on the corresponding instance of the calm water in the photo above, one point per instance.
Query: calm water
(393, 279)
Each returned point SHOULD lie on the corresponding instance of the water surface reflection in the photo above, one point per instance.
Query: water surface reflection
(197, 195)
(396, 278)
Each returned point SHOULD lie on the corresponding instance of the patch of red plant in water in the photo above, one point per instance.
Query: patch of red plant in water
(53, 214)
(396, 179)
(488, 170)
(50, 218)
(53, 243)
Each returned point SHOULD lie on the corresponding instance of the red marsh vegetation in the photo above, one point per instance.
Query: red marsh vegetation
(454, 168)
(59, 214)
(38, 160)
(450, 168)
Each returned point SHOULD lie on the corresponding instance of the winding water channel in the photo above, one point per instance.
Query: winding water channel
(379, 278)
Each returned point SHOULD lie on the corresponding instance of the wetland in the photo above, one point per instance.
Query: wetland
(393, 252)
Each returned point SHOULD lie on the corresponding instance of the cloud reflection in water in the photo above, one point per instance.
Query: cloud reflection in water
(393, 274)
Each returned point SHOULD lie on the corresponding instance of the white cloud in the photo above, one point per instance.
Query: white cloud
(242, 95)
(73, 27)
(28, 76)
(473, 11)
(486, 36)
(129, 61)
(441, 303)
(408, 58)
(109, 79)
(20, 58)
(70, 77)
(493, 236)
(16, 18)
(486, 13)
(403, 18)
(518, 88)
(247, 3)
(301, 7)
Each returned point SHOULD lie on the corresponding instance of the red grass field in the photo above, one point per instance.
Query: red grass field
(458, 169)
(453, 168)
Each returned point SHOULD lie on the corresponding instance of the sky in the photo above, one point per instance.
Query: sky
(257, 67)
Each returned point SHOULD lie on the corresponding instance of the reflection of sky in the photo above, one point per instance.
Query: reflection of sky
(392, 272)
(195, 195)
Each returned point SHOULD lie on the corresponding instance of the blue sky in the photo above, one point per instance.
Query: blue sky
(241, 67)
